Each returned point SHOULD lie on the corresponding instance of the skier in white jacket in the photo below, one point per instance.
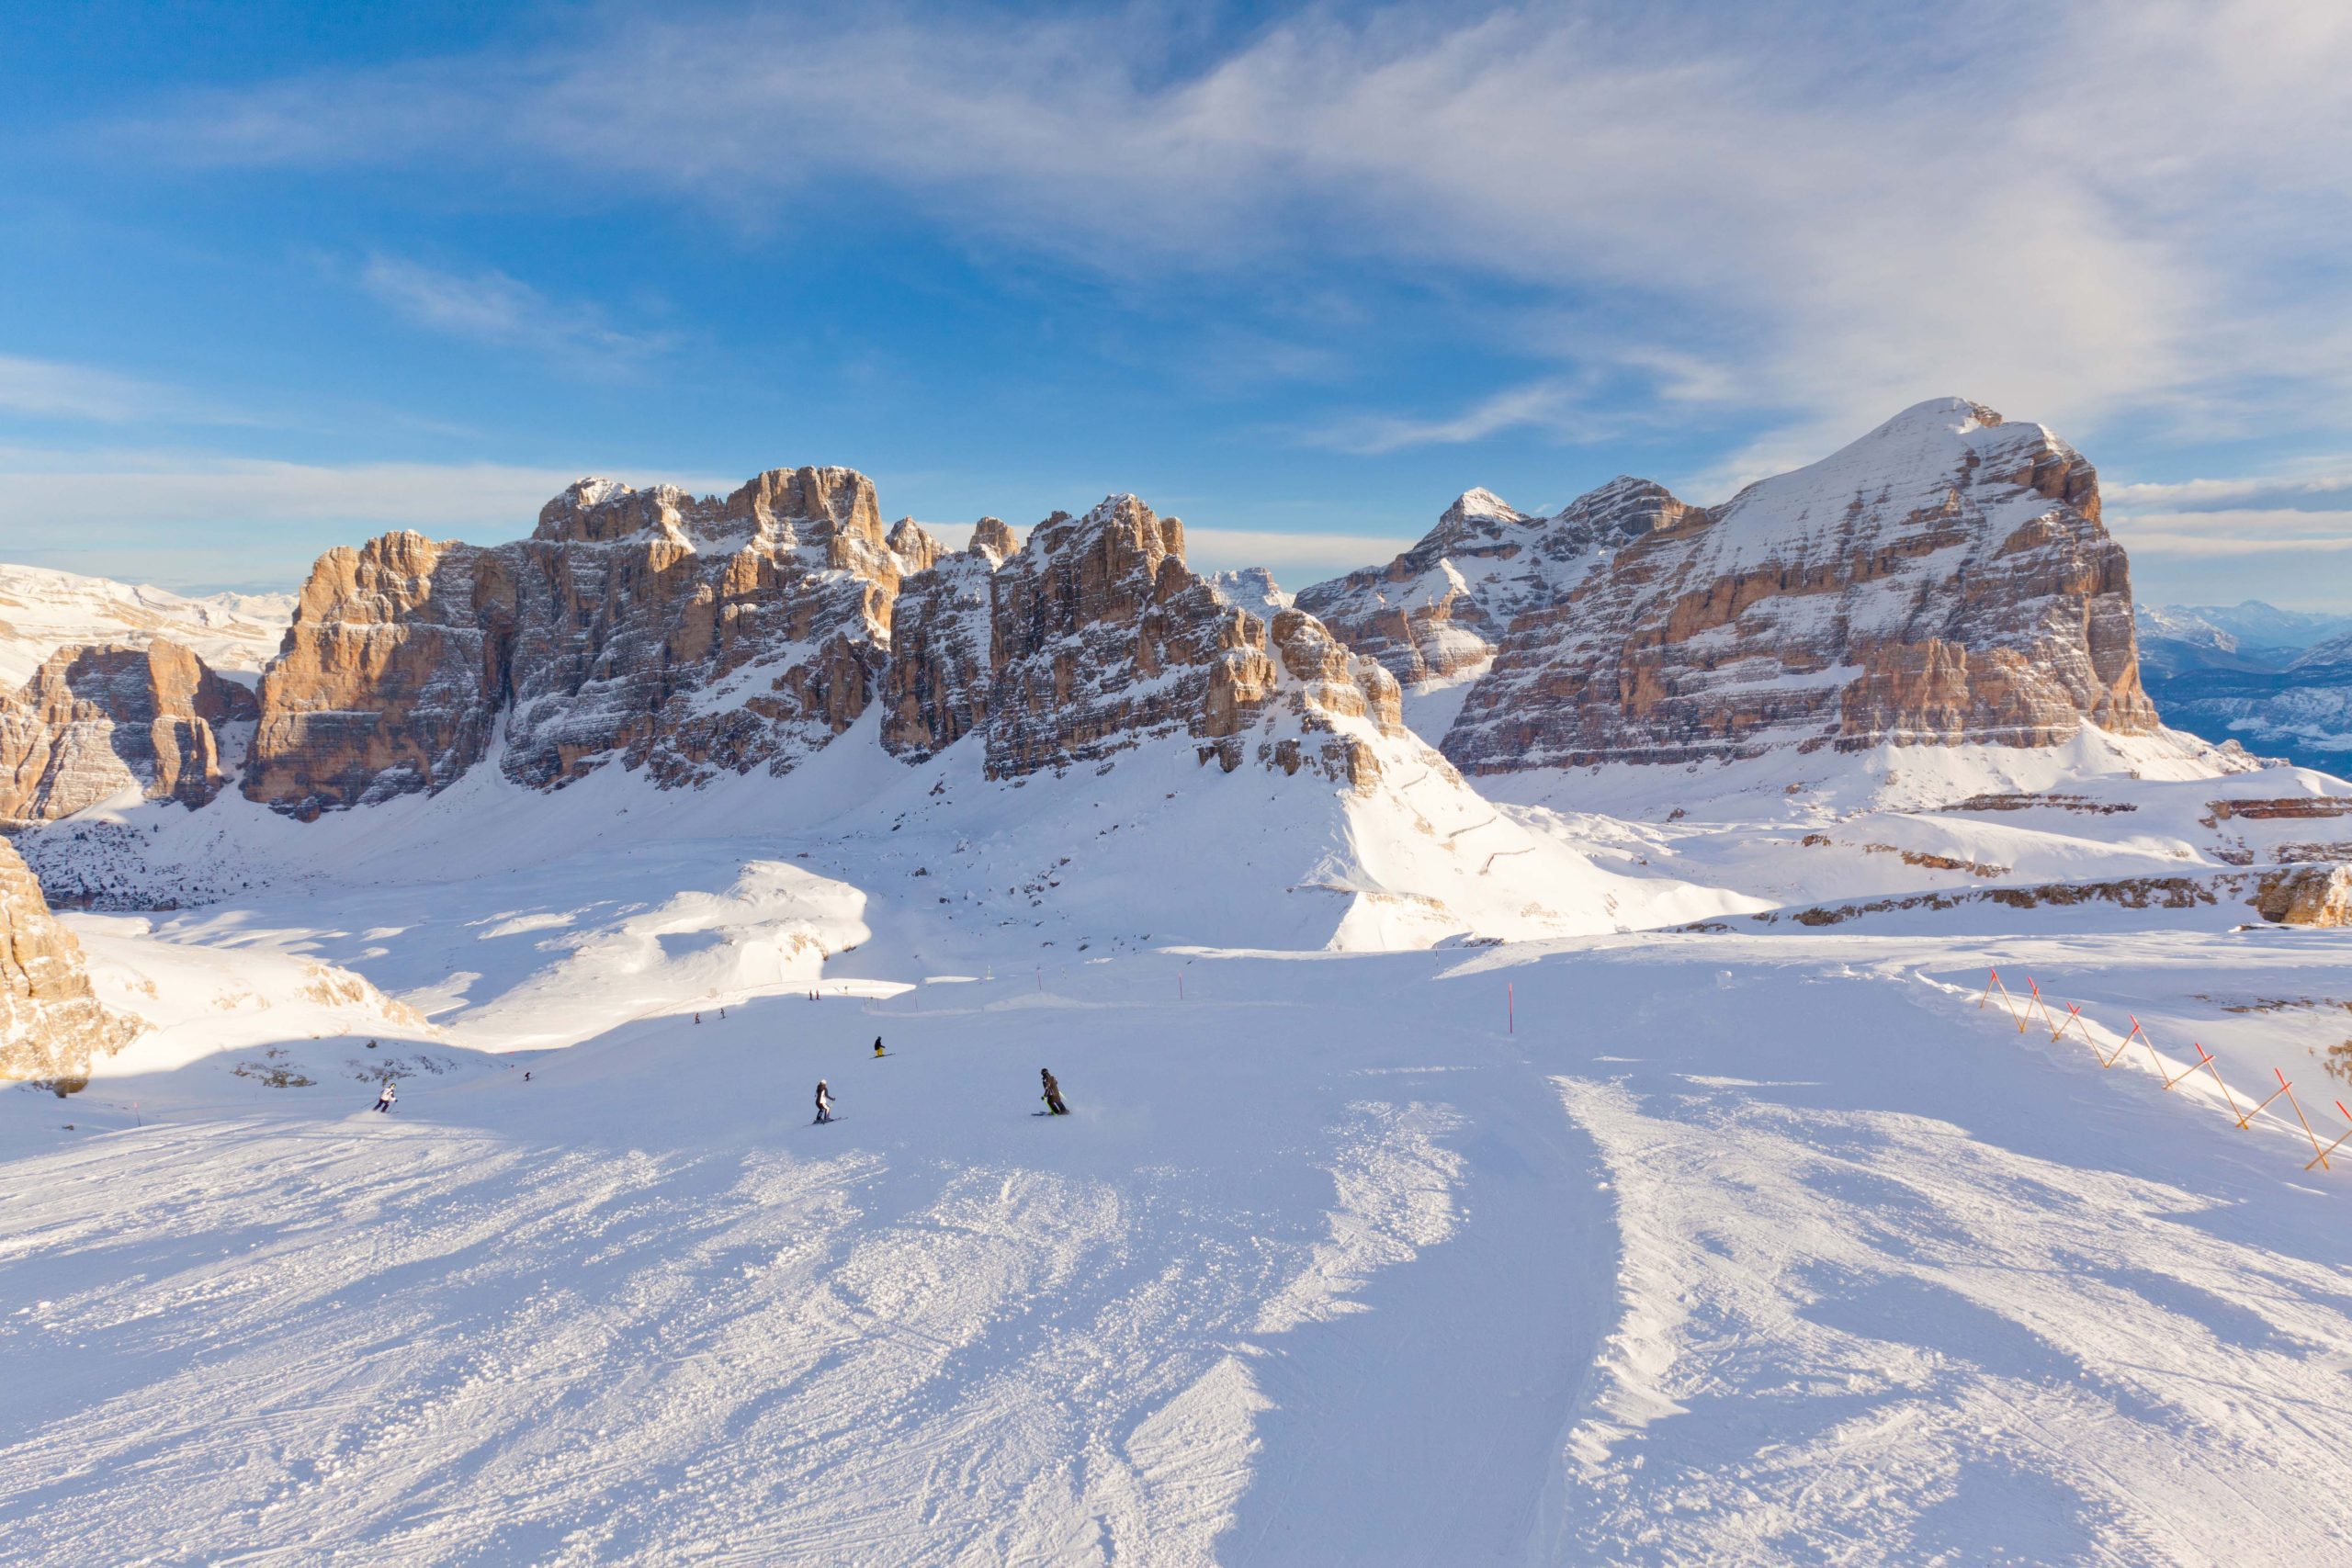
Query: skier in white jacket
(384, 1101)
(824, 1101)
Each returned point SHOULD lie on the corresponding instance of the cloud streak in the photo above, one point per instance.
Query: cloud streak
(1830, 214)
(491, 308)
(48, 388)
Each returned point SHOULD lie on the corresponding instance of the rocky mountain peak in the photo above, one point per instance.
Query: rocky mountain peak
(1944, 578)
(917, 547)
(50, 1023)
(991, 535)
(95, 722)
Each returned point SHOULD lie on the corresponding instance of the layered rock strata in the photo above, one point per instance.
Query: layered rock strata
(680, 635)
(1102, 638)
(1441, 607)
(50, 1023)
(1944, 580)
(96, 721)
(687, 638)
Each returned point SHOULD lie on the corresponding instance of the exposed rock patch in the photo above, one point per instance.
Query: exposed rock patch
(1944, 580)
(51, 1024)
(94, 721)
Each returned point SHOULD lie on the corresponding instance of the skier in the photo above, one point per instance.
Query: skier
(824, 1101)
(384, 1101)
(1053, 1095)
(878, 1046)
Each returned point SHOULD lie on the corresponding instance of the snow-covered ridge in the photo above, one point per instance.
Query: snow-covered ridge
(42, 611)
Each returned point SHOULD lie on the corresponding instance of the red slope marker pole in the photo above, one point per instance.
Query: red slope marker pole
(2202, 1059)
(2125, 1043)
(2319, 1156)
(2042, 1005)
(2007, 1000)
(2231, 1100)
(2331, 1148)
(2247, 1119)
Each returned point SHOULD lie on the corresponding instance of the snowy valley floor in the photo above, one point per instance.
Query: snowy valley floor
(1743, 1249)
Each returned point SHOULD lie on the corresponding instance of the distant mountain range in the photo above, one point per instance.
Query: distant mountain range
(2277, 681)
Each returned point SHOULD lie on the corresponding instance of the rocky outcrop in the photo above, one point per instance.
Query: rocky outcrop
(935, 686)
(680, 636)
(689, 636)
(1944, 580)
(2306, 895)
(1102, 638)
(51, 1024)
(96, 721)
(1441, 607)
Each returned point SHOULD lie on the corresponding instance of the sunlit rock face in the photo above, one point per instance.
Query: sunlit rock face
(1944, 580)
(644, 628)
(51, 1024)
(96, 721)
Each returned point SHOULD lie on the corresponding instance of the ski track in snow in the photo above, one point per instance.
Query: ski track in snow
(1759, 1251)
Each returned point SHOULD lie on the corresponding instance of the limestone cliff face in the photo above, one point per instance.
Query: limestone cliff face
(1944, 580)
(1102, 638)
(935, 687)
(51, 1024)
(647, 628)
(1442, 606)
(96, 720)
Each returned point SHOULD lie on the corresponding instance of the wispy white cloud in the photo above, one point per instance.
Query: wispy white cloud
(1831, 213)
(103, 509)
(1551, 405)
(493, 308)
(48, 388)
(2199, 494)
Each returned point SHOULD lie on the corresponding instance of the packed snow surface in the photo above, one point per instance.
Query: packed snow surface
(1660, 1250)
(42, 611)
(1428, 1197)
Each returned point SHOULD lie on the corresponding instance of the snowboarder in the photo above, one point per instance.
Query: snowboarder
(1053, 1095)
(878, 1046)
(824, 1101)
(384, 1101)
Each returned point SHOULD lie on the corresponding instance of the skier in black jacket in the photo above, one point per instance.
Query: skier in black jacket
(1053, 1095)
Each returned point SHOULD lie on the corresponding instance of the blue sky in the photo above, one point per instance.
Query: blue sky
(279, 277)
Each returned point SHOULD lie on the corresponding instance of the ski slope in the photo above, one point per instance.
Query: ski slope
(1753, 1248)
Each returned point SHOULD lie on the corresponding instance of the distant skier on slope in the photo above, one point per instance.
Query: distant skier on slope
(1053, 1095)
(824, 1101)
(384, 1101)
(878, 1046)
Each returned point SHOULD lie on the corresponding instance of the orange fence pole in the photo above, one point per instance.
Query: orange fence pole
(2125, 1043)
(2081, 1025)
(2247, 1119)
(2007, 1000)
(2202, 1059)
(2321, 1156)
(2038, 1003)
(2216, 1068)
(2318, 1154)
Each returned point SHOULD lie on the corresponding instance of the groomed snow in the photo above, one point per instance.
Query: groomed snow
(1737, 1250)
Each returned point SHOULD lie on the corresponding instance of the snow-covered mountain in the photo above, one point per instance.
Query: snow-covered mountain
(1943, 579)
(2277, 681)
(42, 611)
(1657, 1044)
